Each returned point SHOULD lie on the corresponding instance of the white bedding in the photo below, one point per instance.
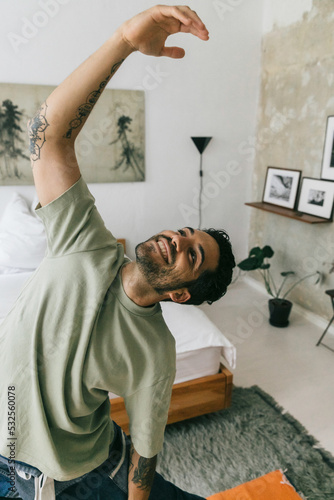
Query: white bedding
(194, 331)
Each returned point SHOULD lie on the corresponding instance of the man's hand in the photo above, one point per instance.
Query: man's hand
(147, 32)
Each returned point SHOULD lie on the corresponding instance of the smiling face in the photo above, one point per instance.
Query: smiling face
(171, 259)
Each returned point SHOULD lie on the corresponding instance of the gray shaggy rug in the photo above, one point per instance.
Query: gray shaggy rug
(254, 436)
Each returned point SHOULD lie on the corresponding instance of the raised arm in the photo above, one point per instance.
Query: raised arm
(54, 128)
(57, 123)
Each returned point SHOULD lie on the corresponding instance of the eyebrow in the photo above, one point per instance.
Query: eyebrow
(201, 249)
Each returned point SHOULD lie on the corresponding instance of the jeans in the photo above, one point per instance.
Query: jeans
(108, 481)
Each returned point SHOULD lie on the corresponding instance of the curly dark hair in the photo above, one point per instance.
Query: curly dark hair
(212, 285)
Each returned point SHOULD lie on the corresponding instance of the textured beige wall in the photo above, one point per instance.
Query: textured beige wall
(297, 95)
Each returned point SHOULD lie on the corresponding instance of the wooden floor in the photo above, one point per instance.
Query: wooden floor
(283, 362)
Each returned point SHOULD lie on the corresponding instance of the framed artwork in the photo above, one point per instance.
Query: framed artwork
(327, 169)
(110, 147)
(281, 187)
(316, 197)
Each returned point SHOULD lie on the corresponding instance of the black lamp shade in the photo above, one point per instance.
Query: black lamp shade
(201, 143)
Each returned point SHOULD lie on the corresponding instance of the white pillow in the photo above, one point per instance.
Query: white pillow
(22, 237)
(193, 330)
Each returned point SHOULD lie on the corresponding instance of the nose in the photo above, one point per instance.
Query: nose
(180, 242)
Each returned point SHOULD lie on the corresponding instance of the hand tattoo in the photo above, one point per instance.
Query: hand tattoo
(84, 109)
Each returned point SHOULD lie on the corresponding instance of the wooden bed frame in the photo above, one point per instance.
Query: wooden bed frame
(189, 399)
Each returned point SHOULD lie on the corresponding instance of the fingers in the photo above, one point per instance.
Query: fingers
(202, 34)
(190, 21)
(190, 16)
(173, 52)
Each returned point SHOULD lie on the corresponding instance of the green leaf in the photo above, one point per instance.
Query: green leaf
(255, 259)
(267, 251)
(249, 264)
(255, 252)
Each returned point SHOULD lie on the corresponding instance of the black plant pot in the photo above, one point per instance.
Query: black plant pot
(279, 312)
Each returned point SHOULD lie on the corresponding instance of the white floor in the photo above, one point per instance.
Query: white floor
(284, 362)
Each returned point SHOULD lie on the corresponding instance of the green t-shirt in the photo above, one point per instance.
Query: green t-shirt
(72, 336)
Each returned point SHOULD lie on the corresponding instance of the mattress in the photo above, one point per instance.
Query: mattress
(200, 345)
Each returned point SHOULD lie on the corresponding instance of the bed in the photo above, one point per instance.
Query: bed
(203, 383)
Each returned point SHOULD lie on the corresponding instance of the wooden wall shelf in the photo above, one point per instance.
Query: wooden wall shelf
(287, 212)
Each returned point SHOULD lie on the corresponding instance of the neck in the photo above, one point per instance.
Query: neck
(136, 288)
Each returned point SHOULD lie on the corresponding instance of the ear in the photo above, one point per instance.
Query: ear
(180, 296)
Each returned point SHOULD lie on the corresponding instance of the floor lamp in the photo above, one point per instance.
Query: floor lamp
(200, 143)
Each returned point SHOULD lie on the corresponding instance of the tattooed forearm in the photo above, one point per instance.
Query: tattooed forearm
(84, 109)
(36, 130)
(143, 474)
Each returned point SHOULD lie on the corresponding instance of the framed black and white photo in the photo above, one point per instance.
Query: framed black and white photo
(327, 169)
(316, 197)
(281, 187)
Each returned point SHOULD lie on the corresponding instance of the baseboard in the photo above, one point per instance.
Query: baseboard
(312, 317)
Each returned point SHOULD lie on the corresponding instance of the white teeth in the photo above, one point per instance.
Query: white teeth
(163, 250)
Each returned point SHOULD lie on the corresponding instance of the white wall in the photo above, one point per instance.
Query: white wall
(212, 92)
(280, 13)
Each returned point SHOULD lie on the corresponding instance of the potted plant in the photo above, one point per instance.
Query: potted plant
(279, 306)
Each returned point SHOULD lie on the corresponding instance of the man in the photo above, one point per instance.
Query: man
(88, 321)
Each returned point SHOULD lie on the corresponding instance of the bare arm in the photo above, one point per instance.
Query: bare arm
(57, 123)
(141, 474)
(54, 128)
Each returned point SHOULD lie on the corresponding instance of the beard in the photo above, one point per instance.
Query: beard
(161, 276)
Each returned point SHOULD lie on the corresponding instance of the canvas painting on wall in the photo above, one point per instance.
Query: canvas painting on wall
(110, 147)
(281, 186)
